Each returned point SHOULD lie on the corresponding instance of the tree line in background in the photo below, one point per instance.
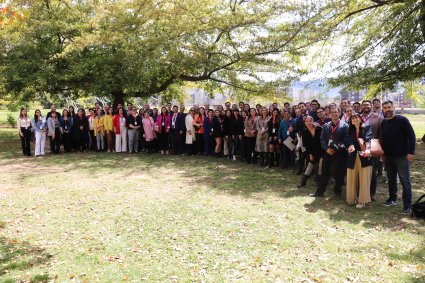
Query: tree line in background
(121, 49)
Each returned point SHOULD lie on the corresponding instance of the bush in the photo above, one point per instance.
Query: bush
(11, 120)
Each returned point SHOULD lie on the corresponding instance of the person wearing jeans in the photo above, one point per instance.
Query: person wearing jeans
(398, 142)
(99, 130)
(134, 122)
(54, 133)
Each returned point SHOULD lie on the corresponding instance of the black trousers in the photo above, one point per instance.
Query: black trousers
(93, 143)
(80, 139)
(242, 147)
(250, 148)
(26, 141)
(178, 142)
(199, 143)
(287, 156)
(163, 140)
(67, 142)
(374, 181)
(55, 144)
(335, 165)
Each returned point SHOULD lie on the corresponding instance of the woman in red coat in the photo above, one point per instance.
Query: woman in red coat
(120, 130)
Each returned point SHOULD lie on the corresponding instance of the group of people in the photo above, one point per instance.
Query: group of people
(331, 141)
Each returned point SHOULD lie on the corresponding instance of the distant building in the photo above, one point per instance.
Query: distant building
(199, 97)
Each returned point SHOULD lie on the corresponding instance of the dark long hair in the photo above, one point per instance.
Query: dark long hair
(35, 115)
(358, 116)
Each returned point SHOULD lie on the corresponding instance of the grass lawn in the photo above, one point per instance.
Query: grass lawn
(119, 217)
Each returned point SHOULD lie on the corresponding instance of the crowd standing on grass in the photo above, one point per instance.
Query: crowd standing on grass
(332, 141)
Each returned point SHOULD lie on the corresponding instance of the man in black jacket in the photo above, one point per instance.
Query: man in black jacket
(178, 129)
(398, 143)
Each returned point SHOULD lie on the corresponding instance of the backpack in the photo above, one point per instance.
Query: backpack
(418, 208)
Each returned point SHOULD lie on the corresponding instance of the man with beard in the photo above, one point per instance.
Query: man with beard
(321, 115)
(398, 143)
(373, 120)
(335, 158)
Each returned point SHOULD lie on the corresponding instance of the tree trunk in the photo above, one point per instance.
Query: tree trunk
(422, 18)
(118, 98)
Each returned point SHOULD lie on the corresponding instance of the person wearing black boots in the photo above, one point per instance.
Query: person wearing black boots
(263, 135)
(274, 147)
(24, 128)
(228, 133)
(218, 133)
(314, 152)
(236, 133)
(298, 129)
(250, 136)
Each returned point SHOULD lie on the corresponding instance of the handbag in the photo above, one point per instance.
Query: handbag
(375, 148)
(418, 208)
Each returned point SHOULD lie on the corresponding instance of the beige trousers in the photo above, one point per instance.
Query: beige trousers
(358, 183)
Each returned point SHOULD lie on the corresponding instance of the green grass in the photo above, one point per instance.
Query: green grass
(119, 217)
(418, 124)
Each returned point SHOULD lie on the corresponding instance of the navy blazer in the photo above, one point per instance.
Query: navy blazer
(366, 134)
(207, 126)
(180, 122)
(339, 136)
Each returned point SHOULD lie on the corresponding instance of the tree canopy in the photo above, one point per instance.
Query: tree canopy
(122, 48)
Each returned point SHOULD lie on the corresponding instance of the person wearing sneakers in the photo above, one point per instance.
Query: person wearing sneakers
(398, 142)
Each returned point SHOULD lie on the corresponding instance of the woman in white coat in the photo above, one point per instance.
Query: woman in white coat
(190, 131)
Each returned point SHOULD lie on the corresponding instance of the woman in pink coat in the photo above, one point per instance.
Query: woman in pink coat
(163, 129)
(148, 131)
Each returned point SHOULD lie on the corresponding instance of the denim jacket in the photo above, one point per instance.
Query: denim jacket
(40, 125)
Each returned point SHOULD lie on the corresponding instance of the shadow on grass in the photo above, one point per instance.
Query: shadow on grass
(221, 175)
(21, 256)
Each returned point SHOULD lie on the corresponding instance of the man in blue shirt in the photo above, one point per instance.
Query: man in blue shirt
(335, 159)
(398, 142)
